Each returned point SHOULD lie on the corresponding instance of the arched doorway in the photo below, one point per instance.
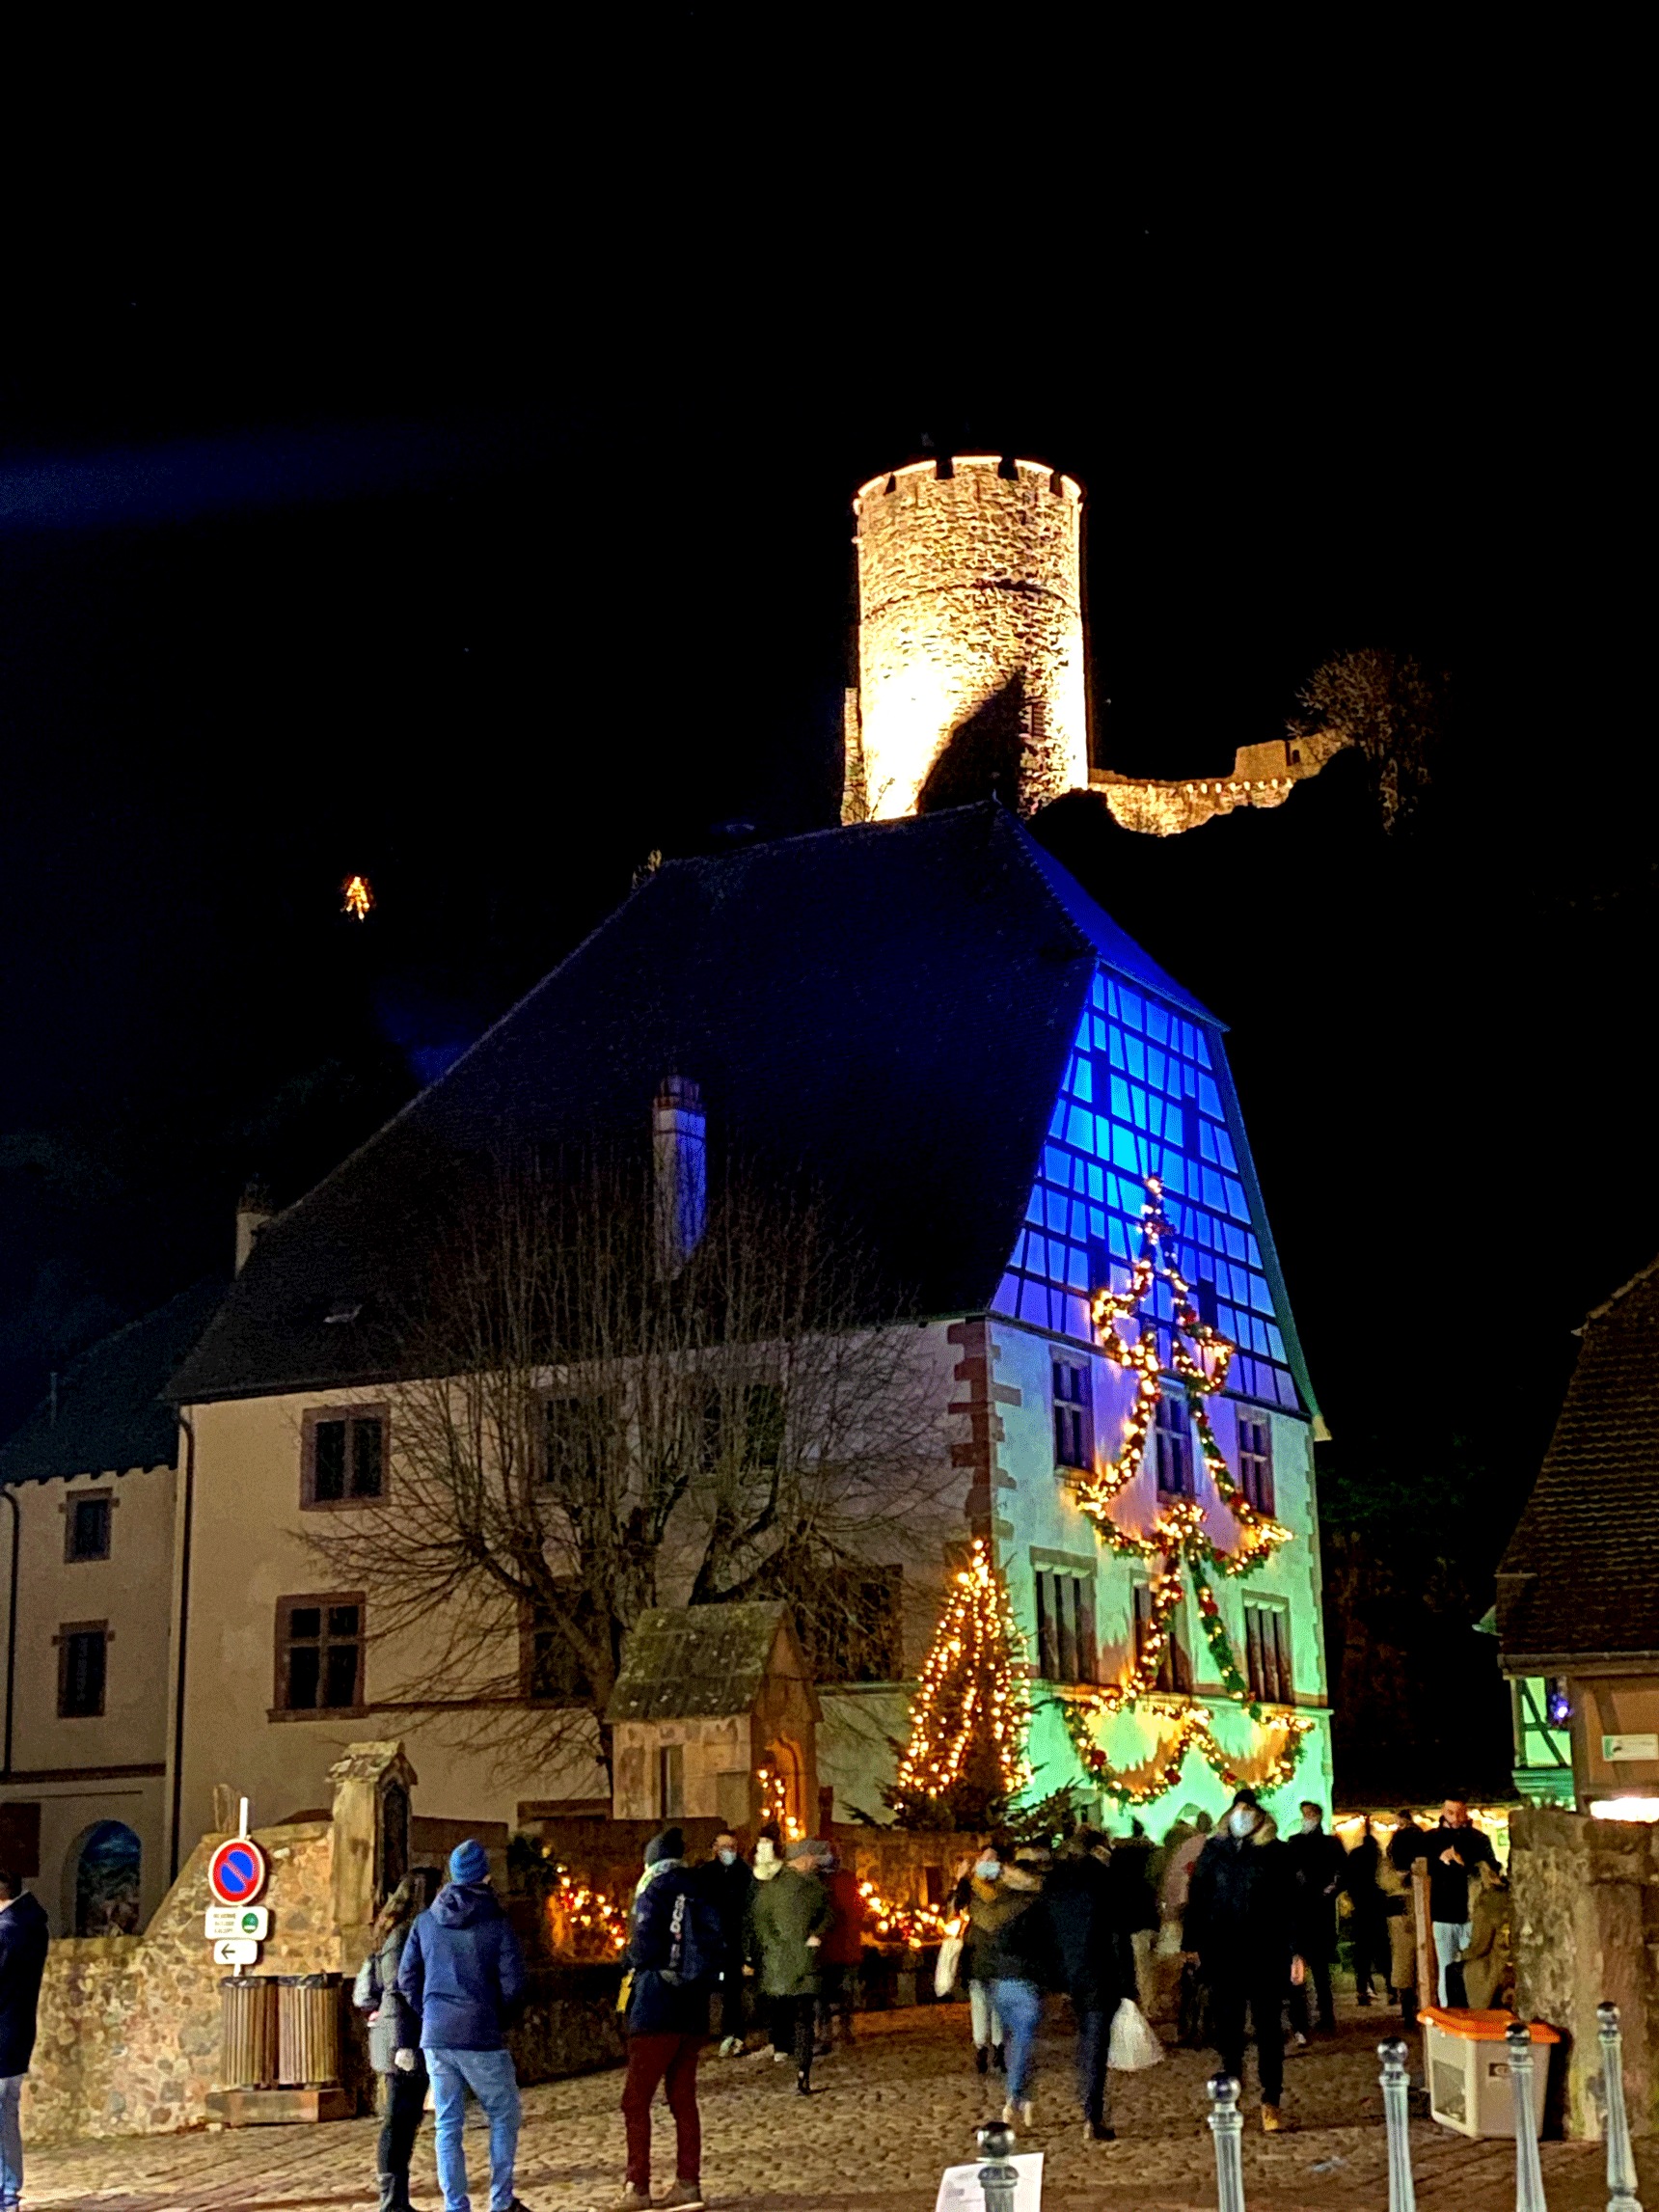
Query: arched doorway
(101, 1882)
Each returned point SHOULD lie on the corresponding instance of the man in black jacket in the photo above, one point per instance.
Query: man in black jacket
(1318, 1865)
(24, 1940)
(1455, 1850)
(728, 1884)
(1237, 1927)
(1081, 1904)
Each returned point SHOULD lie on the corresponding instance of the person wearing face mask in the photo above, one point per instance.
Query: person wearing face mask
(976, 1897)
(1318, 1865)
(728, 1884)
(1238, 1931)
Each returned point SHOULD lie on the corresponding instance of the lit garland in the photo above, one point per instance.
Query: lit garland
(912, 1925)
(1177, 1537)
(586, 1919)
(974, 1678)
(1192, 1730)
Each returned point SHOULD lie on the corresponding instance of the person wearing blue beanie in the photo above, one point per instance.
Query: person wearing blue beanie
(463, 1974)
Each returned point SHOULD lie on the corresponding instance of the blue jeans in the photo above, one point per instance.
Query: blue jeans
(10, 2141)
(490, 2076)
(1020, 2007)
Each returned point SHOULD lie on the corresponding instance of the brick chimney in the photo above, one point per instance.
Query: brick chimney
(254, 1211)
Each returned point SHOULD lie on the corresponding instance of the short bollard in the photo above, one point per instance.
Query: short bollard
(1620, 2165)
(1397, 2111)
(1529, 2175)
(1226, 2125)
(997, 2178)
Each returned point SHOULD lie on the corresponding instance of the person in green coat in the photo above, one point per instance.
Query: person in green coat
(789, 1918)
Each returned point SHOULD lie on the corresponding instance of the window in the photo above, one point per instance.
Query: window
(670, 1781)
(1174, 1435)
(345, 1456)
(576, 1441)
(1066, 1646)
(742, 1428)
(83, 1653)
(1175, 1669)
(550, 1668)
(1255, 1462)
(851, 1621)
(1267, 1653)
(319, 1653)
(1073, 1415)
(87, 1526)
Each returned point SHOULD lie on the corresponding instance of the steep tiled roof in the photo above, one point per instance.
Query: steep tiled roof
(684, 1662)
(1581, 1573)
(111, 1411)
(888, 1007)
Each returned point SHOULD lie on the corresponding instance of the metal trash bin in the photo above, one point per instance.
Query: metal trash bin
(307, 2030)
(1466, 2061)
(248, 2031)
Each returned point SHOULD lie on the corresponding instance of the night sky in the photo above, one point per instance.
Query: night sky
(490, 584)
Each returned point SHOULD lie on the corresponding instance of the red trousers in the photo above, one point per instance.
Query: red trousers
(673, 2061)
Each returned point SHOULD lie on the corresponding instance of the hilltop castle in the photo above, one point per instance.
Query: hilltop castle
(972, 658)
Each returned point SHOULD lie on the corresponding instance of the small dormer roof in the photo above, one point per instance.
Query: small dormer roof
(689, 1662)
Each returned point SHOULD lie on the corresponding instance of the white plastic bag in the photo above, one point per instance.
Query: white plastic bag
(949, 1959)
(1133, 2045)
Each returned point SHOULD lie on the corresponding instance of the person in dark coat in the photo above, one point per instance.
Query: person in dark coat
(393, 2028)
(728, 1884)
(665, 2022)
(1368, 1925)
(1456, 1852)
(23, 1944)
(979, 1904)
(841, 1953)
(1238, 1927)
(1080, 1903)
(789, 1918)
(1134, 1903)
(1318, 1866)
(1018, 1955)
(462, 1976)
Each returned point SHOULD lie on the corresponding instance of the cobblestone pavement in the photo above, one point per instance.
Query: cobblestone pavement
(894, 2112)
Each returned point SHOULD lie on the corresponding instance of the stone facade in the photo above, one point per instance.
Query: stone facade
(1586, 1929)
(1262, 776)
(970, 638)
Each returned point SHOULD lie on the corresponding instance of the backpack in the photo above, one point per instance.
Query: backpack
(696, 1943)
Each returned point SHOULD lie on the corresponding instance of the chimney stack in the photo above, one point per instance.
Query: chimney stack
(679, 1160)
(254, 1209)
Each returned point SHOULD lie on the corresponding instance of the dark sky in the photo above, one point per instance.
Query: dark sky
(489, 580)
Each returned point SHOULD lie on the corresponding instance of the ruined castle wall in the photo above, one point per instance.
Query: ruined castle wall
(970, 631)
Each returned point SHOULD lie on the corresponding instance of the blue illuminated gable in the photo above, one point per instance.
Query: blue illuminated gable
(1147, 1091)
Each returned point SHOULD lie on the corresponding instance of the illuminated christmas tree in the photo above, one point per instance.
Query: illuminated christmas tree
(965, 1756)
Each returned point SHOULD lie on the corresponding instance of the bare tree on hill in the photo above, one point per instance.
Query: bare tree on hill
(589, 1434)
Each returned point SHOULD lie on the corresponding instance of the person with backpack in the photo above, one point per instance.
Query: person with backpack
(674, 1954)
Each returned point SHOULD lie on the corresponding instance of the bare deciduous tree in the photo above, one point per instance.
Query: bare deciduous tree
(588, 1433)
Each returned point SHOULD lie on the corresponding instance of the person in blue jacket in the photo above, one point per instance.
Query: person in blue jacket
(463, 1974)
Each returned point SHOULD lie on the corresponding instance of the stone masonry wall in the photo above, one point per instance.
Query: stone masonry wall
(128, 2038)
(1586, 1929)
(969, 592)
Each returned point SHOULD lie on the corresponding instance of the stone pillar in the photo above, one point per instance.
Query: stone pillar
(365, 1780)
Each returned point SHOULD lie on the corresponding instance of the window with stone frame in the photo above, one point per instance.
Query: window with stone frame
(1067, 1648)
(552, 1671)
(1267, 1652)
(1175, 1668)
(1074, 1415)
(83, 1669)
(87, 1525)
(344, 1457)
(320, 1655)
(1255, 1460)
(1172, 1443)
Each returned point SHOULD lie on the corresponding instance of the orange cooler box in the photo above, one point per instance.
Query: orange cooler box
(1466, 2061)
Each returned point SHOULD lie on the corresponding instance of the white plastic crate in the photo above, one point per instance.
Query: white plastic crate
(1466, 2063)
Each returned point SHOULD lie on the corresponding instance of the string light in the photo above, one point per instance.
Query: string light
(356, 898)
(973, 1691)
(774, 1803)
(915, 1925)
(592, 1920)
(1178, 1543)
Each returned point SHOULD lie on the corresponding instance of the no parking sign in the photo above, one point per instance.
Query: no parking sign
(237, 1871)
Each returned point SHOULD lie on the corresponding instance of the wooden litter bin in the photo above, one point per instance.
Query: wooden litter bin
(248, 2031)
(308, 2030)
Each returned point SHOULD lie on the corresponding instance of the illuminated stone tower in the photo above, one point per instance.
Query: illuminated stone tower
(970, 639)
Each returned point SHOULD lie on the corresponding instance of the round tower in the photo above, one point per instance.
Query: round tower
(970, 639)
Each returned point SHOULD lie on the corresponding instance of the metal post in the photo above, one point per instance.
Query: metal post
(1620, 2166)
(997, 2178)
(1226, 2125)
(1529, 2175)
(1402, 2189)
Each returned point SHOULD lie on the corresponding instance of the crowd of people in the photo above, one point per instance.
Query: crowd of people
(1235, 1924)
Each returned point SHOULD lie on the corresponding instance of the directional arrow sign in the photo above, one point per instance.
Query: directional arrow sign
(238, 1920)
(236, 1950)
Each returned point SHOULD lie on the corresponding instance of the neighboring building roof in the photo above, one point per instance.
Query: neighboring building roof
(1581, 1574)
(697, 1661)
(111, 1410)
